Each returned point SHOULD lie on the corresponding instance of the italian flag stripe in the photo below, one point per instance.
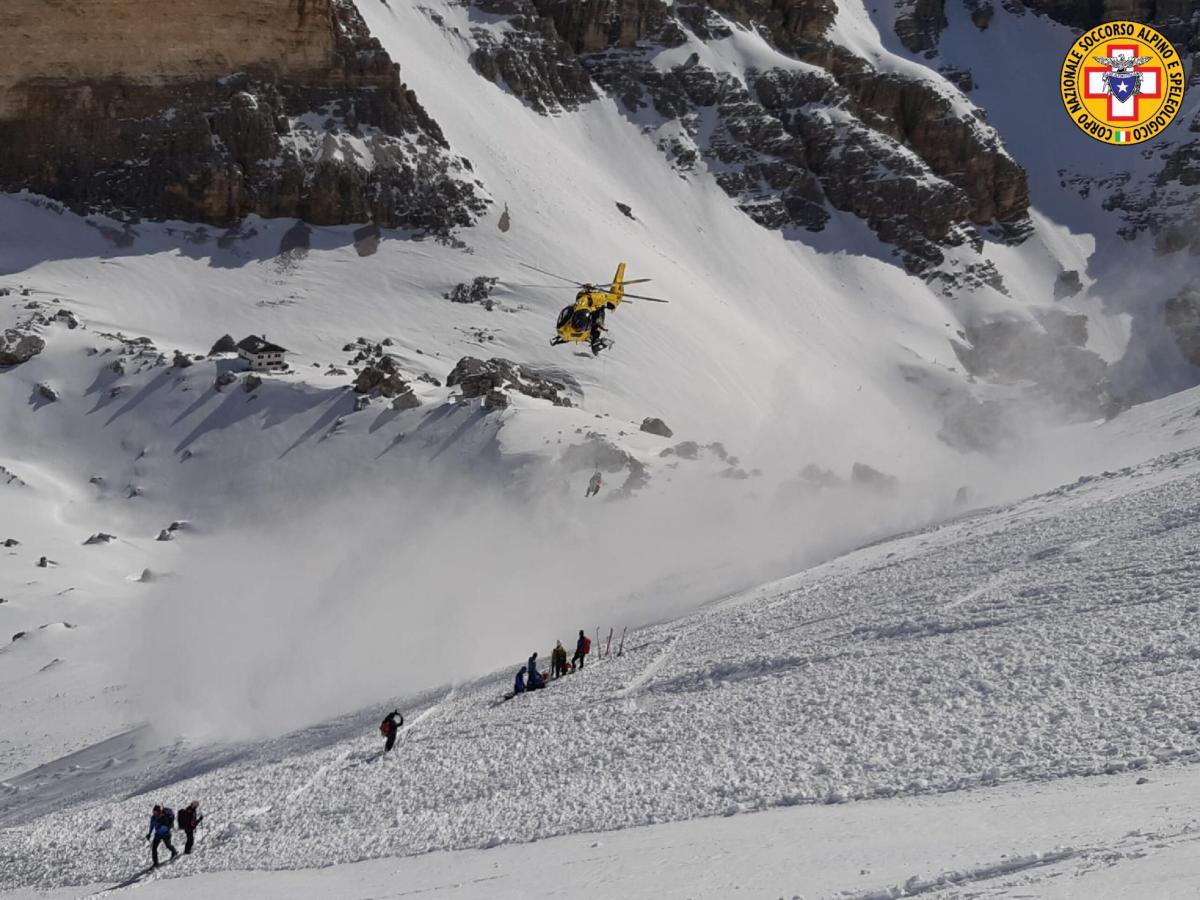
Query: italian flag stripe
(1121, 137)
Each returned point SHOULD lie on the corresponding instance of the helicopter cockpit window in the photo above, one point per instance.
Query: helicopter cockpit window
(565, 316)
(581, 320)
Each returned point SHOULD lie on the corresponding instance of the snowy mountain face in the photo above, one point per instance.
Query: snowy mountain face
(902, 287)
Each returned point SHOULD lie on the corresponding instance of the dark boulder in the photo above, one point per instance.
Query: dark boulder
(381, 378)
(872, 479)
(17, 347)
(656, 426)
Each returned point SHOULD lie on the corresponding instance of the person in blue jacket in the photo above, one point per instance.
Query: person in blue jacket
(162, 820)
(536, 679)
(519, 682)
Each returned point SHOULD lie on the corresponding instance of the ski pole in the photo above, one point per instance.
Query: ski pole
(608, 646)
(621, 646)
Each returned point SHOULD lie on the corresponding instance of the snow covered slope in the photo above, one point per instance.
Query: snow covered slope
(232, 568)
(1048, 639)
(773, 355)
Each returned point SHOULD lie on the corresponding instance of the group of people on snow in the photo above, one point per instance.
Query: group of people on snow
(163, 822)
(530, 678)
(163, 819)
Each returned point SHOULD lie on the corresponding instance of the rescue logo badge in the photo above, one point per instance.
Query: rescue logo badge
(1122, 83)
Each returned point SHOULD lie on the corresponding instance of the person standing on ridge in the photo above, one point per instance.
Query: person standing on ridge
(389, 728)
(162, 820)
(582, 648)
(558, 660)
(189, 818)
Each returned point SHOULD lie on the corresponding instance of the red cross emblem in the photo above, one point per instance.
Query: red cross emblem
(1123, 109)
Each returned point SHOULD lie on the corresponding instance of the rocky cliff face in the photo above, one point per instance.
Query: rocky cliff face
(208, 110)
(1164, 205)
(788, 144)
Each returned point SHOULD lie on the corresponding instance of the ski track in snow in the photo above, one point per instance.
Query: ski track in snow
(1075, 655)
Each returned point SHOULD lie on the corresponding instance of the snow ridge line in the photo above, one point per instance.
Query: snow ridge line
(916, 885)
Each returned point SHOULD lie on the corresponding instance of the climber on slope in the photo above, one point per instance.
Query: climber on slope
(162, 820)
(594, 484)
(389, 728)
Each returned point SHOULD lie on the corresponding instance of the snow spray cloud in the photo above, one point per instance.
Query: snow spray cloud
(379, 594)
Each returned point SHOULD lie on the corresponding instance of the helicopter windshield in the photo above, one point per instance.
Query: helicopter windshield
(581, 320)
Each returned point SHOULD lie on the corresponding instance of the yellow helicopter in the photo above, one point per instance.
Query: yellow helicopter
(583, 320)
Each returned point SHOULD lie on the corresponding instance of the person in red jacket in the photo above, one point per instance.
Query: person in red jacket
(583, 647)
(389, 727)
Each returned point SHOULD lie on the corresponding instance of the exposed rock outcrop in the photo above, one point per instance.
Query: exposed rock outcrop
(479, 290)
(220, 109)
(865, 476)
(477, 378)
(786, 144)
(17, 347)
(652, 425)
(1051, 357)
(1182, 316)
(382, 378)
(1067, 284)
(530, 59)
(919, 24)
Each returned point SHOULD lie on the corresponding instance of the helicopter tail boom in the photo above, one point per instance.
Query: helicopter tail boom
(618, 282)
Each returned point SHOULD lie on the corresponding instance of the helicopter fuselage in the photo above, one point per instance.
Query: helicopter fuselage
(578, 321)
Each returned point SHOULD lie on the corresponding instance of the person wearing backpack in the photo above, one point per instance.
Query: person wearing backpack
(583, 647)
(390, 727)
(162, 820)
(189, 818)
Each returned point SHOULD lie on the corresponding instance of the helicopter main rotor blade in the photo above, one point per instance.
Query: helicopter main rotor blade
(560, 287)
(651, 299)
(611, 284)
(552, 275)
